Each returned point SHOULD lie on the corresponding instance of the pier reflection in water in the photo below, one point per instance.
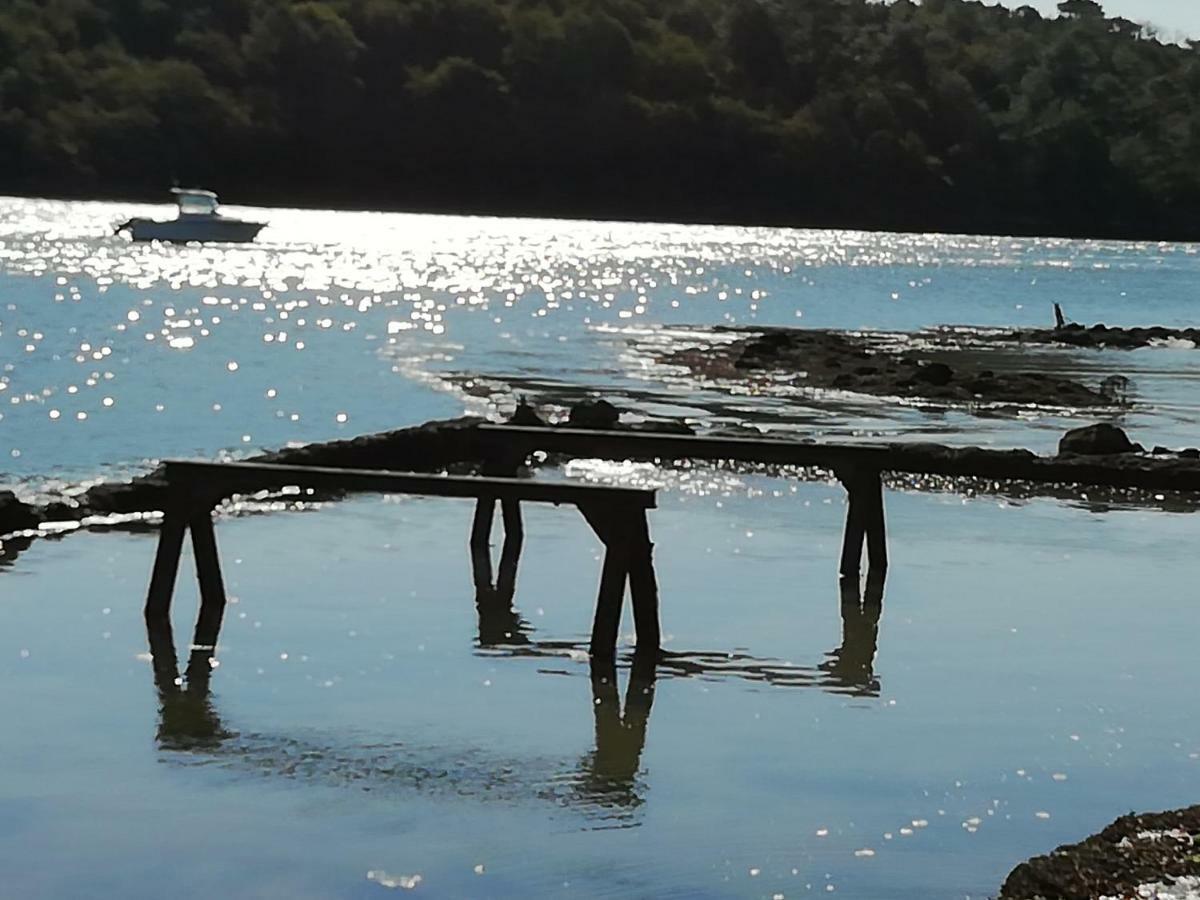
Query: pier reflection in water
(848, 669)
(603, 785)
(187, 720)
(606, 784)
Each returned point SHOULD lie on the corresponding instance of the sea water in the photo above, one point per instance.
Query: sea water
(366, 731)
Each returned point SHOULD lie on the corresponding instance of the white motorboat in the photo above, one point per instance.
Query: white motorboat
(198, 220)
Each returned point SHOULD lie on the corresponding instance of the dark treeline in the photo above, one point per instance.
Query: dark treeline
(944, 115)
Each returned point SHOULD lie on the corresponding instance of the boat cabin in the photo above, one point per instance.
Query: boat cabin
(194, 202)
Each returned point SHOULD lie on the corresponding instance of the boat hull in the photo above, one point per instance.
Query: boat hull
(199, 228)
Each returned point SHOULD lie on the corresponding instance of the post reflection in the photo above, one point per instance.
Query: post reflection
(852, 665)
(186, 717)
(499, 622)
(608, 776)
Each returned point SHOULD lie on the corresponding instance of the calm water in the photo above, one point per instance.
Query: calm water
(366, 733)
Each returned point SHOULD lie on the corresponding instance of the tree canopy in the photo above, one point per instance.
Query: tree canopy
(948, 114)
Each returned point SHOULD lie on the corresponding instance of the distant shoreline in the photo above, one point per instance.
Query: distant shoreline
(337, 202)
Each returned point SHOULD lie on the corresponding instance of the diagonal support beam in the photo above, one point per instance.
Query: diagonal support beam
(208, 574)
(166, 560)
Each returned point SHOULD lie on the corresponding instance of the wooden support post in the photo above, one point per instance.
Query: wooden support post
(628, 556)
(613, 532)
(506, 579)
(481, 553)
(876, 527)
(606, 627)
(864, 520)
(208, 573)
(643, 586)
(481, 527)
(510, 511)
(852, 541)
(166, 560)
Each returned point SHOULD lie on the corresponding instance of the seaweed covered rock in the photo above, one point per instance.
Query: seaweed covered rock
(935, 373)
(1100, 439)
(430, 447)
(859, 363)
(1135, 850)
(594, 414)
(526, 414)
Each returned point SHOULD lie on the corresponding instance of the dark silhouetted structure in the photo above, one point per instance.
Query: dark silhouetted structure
(617, 515)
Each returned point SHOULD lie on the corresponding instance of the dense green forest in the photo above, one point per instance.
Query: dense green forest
(944, 115)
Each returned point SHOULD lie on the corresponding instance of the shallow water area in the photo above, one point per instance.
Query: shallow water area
(364, 718)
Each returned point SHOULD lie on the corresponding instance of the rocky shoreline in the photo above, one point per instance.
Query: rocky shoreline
(437, 446)
(433, 446)
(833, 360)
(1138, 856)
(1098, 336)
(1101, 454)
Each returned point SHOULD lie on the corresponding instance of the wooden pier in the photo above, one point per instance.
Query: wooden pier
(859, 467)
(617, 515)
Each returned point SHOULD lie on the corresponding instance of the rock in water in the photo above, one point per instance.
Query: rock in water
(935, 373)
(525, 414)
(16, 515)
(1100, 439)
(597, 414)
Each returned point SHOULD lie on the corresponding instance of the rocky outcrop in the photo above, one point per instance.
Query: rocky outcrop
(1098, 455)
(16, 515)
(595, 414)
(430, 447)
(1101, 439)
(1133, 851)
(833, 360)
(1101, 336)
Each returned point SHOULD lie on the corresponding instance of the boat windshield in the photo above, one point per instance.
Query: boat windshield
(196, 202)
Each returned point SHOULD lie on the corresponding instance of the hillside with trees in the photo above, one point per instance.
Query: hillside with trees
(947, 115)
